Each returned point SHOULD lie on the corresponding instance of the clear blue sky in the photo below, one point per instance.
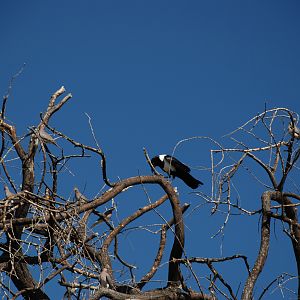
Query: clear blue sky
(151, 73)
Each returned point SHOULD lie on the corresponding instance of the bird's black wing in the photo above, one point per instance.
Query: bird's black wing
(178, 165)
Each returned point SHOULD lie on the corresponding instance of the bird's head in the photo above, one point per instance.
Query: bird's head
(158, 160)
(154, 161)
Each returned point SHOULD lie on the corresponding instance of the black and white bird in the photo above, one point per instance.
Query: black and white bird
(173, 167)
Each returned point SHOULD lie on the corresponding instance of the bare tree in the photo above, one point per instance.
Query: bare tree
(42, 232)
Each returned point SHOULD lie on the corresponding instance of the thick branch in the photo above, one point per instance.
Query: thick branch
(264, 245)
(168, 293)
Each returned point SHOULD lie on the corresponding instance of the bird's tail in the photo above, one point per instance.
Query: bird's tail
(189, 180)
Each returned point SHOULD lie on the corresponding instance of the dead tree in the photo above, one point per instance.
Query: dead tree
(273, 163)
(40, 228)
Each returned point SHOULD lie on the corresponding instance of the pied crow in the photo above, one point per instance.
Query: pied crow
(173, 167)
